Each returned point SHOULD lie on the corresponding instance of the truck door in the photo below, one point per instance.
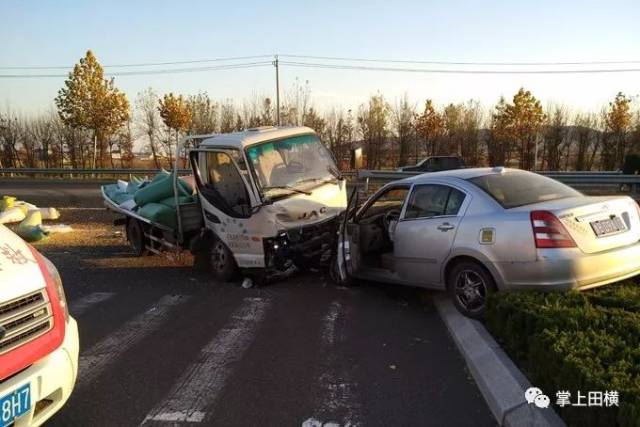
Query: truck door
(223, 189)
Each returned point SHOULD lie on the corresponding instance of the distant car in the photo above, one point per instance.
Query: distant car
(38, 338)
(476, 231)
(435, 164)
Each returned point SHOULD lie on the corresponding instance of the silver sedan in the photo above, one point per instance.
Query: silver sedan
(475, 231)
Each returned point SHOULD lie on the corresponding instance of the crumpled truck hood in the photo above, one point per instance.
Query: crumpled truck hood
(323, 203)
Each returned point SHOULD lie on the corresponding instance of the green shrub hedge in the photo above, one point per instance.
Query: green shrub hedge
(576, 341)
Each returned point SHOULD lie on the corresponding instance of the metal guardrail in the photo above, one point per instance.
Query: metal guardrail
(579, 179)
(78, 172)
(597, 180)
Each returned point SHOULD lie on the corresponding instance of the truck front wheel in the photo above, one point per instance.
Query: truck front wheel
(223, 265)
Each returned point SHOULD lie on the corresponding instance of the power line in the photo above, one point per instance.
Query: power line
(141, 64)
(455, 71)
(324, 65)
(149, 72)
(402, 61)
(331, 58)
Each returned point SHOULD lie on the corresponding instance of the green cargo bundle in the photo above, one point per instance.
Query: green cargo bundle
(159, 213)
(160, 189)
(114, 193)
(155, 199)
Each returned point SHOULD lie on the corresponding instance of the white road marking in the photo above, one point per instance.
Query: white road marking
(74, 208)
(98, 357)
(79, 306)
(339, 391)
(200, 385)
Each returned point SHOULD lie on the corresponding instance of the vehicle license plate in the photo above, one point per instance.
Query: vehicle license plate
(14, 404)
(608, 226)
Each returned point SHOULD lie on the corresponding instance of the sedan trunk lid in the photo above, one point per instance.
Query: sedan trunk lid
(596, 223)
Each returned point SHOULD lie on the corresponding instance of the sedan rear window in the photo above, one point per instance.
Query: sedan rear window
(513, 189)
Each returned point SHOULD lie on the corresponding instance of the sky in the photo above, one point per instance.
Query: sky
(58, 33)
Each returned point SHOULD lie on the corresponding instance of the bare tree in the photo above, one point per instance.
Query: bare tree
(204, 114)
(617, 125)
(149, 121)
(555, 134)
(373, 120)
(429, 125)
(10, 134)
(470, 138)
(452, 137)
(403, 117)
(227, 116)
(499, 143)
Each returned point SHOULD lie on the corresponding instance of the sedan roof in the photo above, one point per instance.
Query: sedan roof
(457, 173)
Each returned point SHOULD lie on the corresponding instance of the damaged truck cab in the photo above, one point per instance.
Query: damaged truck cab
(271, 198)
(266, 199)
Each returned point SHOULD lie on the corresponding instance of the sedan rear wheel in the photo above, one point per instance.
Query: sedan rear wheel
(469, 284)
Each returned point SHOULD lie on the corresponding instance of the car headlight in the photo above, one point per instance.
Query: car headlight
(57, 284)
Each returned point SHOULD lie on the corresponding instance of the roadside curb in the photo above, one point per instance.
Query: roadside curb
(500, 381)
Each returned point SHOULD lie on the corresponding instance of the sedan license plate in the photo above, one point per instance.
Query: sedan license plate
(608, 226)
(14, 405)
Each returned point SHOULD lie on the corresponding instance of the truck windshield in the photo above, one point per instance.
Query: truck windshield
(291, 165)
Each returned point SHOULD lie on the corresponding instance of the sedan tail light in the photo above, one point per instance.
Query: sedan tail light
(548, 231)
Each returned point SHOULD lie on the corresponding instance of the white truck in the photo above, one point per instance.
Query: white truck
(268, 198)
(38, 339)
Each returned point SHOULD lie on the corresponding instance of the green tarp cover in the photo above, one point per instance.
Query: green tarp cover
(171, 201)
(159, 213)
(160, 189)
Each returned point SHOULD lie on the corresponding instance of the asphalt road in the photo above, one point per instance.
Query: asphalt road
(164, 345)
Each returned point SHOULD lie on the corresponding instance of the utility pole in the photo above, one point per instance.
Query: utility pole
(95, 148)
(275, 64)
(535, 155)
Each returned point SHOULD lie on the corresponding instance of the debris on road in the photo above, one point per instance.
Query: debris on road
(247, 283)
(30, 229)
(57, 228)
(12, 214)
(48, 213)
(30, 218)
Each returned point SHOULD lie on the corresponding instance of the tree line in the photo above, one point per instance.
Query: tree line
(95, 126)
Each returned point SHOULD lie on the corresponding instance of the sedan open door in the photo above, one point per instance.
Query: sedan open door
(347, 254)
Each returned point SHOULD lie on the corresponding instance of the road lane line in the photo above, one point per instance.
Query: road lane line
(200, 385)
(81, 305)
(339, 396)
(98, 357)
(79, 208)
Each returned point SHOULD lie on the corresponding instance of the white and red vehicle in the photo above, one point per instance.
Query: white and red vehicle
(38, 339)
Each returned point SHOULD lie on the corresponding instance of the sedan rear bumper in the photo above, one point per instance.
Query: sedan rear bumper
(570, 268)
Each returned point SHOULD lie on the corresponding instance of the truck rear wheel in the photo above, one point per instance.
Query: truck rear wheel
(223, 265)
(135, 236)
